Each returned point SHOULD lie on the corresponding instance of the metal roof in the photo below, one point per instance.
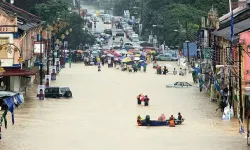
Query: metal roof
(25, 19)
(238, 28)
(26, 26)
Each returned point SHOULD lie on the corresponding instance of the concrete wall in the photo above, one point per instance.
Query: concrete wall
(245, 36)
(14, 83)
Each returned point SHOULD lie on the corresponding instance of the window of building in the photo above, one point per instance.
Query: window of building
(4, 40)
(4, 53)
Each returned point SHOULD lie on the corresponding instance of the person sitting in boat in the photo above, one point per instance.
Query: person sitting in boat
(139, 99)
(162, 118)
(171, 121)
(179, 116)
(139, 120)
(146, 100)
(147, 119)
(155, 64)
(165, 70)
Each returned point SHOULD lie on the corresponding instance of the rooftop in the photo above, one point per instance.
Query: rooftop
(25, 19)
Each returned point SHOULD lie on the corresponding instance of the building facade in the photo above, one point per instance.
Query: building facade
(17, 37)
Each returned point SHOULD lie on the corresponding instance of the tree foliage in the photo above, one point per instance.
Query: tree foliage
(53, 12)
(50, 11)
(172, 15)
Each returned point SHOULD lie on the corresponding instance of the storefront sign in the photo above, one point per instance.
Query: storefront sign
(207, 52)
(9, 23)
(38, 47)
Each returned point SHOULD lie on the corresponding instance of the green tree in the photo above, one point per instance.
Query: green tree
(52, 12)
(172, 15)
(78, 35)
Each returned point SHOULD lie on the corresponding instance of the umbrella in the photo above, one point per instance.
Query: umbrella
(80, 51)
(117, 54)
(94, 52)
(127, 59)
(110, 55)
(123, 51)
(137, 55)
(103, 55)
(107, 51)
(136, 58)
(130, 53)
(142, 97)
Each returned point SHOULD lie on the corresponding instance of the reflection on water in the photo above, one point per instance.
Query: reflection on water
(102, 115)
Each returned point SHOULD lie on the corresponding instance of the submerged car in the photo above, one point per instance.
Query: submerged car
(58, 92)
(108, 31)
(119, 32)
(180, 85)
(167, 57)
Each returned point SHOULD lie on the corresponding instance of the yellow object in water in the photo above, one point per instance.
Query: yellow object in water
(97, 13)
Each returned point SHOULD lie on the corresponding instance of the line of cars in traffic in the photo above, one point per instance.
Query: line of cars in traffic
(130, 33)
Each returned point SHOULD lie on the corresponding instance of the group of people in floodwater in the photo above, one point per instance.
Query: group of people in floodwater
(161, 118)
(134, 66)
(164, 70)
(145, 99)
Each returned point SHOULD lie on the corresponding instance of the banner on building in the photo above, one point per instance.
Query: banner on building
(207, 53)
(47, 80)
(53, 73)
(57, 64)
(38, 47)
(40, 92)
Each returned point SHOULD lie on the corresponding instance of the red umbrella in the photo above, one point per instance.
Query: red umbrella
(107, 51)
(142, 97)
(117, 54)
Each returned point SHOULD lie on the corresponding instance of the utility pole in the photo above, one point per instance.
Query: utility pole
(48, 53)
(41, 57)
(187, 44)
(79, 7)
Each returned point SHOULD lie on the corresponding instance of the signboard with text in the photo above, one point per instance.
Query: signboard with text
(38, 47)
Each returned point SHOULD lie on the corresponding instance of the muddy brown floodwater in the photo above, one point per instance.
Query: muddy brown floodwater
(102, 115)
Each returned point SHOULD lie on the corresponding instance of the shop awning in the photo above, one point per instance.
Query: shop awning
(19, 72)
(238, 28)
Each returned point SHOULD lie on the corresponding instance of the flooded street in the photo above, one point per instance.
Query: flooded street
(102, 115)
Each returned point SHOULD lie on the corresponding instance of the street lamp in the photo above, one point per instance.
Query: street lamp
(67, 32)
(20, 60)
(84, 38)
(63, 48)
(1, 71)
(57, 43)
(187, 41)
